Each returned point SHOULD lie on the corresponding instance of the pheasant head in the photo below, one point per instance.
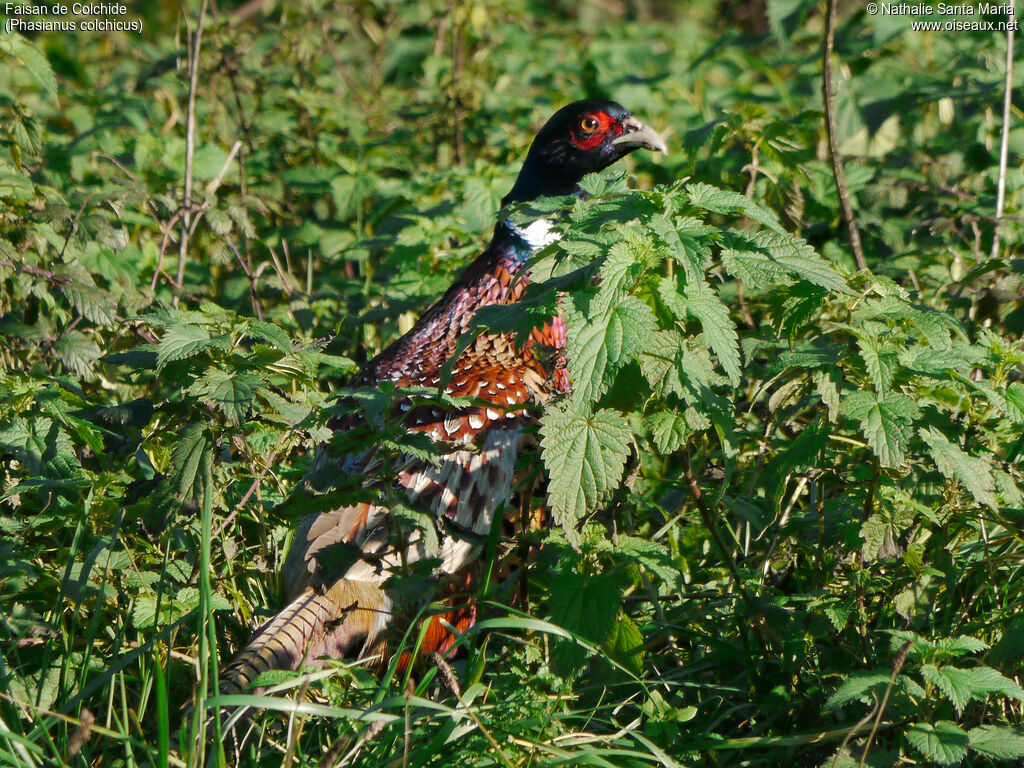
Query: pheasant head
(580, 138)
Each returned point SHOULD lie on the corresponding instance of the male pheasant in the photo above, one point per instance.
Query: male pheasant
(353, 613)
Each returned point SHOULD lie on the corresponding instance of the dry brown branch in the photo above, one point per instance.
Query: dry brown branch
(828, 43)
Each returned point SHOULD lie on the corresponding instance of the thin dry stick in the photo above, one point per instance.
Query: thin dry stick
(827, 45)
(213, 186)
(190, 143)
(876, 712)
(1003, 145)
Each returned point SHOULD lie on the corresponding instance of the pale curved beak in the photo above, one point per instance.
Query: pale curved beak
(639, 135)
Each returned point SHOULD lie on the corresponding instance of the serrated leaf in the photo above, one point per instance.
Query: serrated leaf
(688, 240)
(180, 342)
(880, 359)
(717, 200)
(755, 269)
(652, 555)
(219, 221)
(945, 742)
(987, 681)
(956, 464)
(885, 423)
(95, 304)
(720, 334)
(798, 258)
(584, 455)
(79, 353)
(660, 362)
(668, 430)
(997, 742)
(586, 604)
(857, 687)
(955, 684)
(231, 393)
(626, 644)
(273, 335)
(185, 480)
(598, 346)
(32, 57)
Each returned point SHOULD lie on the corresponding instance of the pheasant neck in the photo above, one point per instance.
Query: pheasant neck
(498, 276)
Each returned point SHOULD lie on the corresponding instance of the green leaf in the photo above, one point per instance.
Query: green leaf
(956, 684)
(688, 239)
(997, 742)
(586, 605)
(857, 687)
(945, 742)
(885, 423)
(956, 464)
(274, 335)
(33, 58)
(668, 429)
(182, 341)
(94, 303)
(626, 644)
(880, 359)
(599, 345)
(987, 681)
(724, 201)
(719, 329)
(584, 455)
(799, 259)
(79, 353)
(661, 360)
(231, 393)
(185, 480)
(754, 268)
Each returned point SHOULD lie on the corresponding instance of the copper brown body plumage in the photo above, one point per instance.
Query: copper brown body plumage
(354, 613)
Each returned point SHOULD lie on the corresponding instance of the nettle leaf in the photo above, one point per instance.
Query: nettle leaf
(624, 265)
(598, 346)
(719, 329)
(33, 58)
(856, 687)
(689, 241)
(702, 303)
(885, 423)
(182, 341)
(41, 445)
(660, 362)
(668, 429)
(586, 604)
(232, 393)
(717, 200)
(880, 359)
(866, 686)
(955, 684)
(584, 455)
(956, 464)
(1000, 743)
(754, 268)
(272, 334)
(95, 304)
(987, 681)
(652, 555)
(945, 742)
(797, 257)
(79, 353)
(185, 479)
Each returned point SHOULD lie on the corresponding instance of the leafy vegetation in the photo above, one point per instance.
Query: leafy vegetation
(787, 491)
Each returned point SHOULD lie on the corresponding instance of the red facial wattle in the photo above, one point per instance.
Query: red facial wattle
(590, 139)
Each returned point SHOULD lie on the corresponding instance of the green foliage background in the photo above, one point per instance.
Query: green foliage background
(788, 492)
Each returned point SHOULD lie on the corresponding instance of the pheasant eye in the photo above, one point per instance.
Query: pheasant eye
(589, 124)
